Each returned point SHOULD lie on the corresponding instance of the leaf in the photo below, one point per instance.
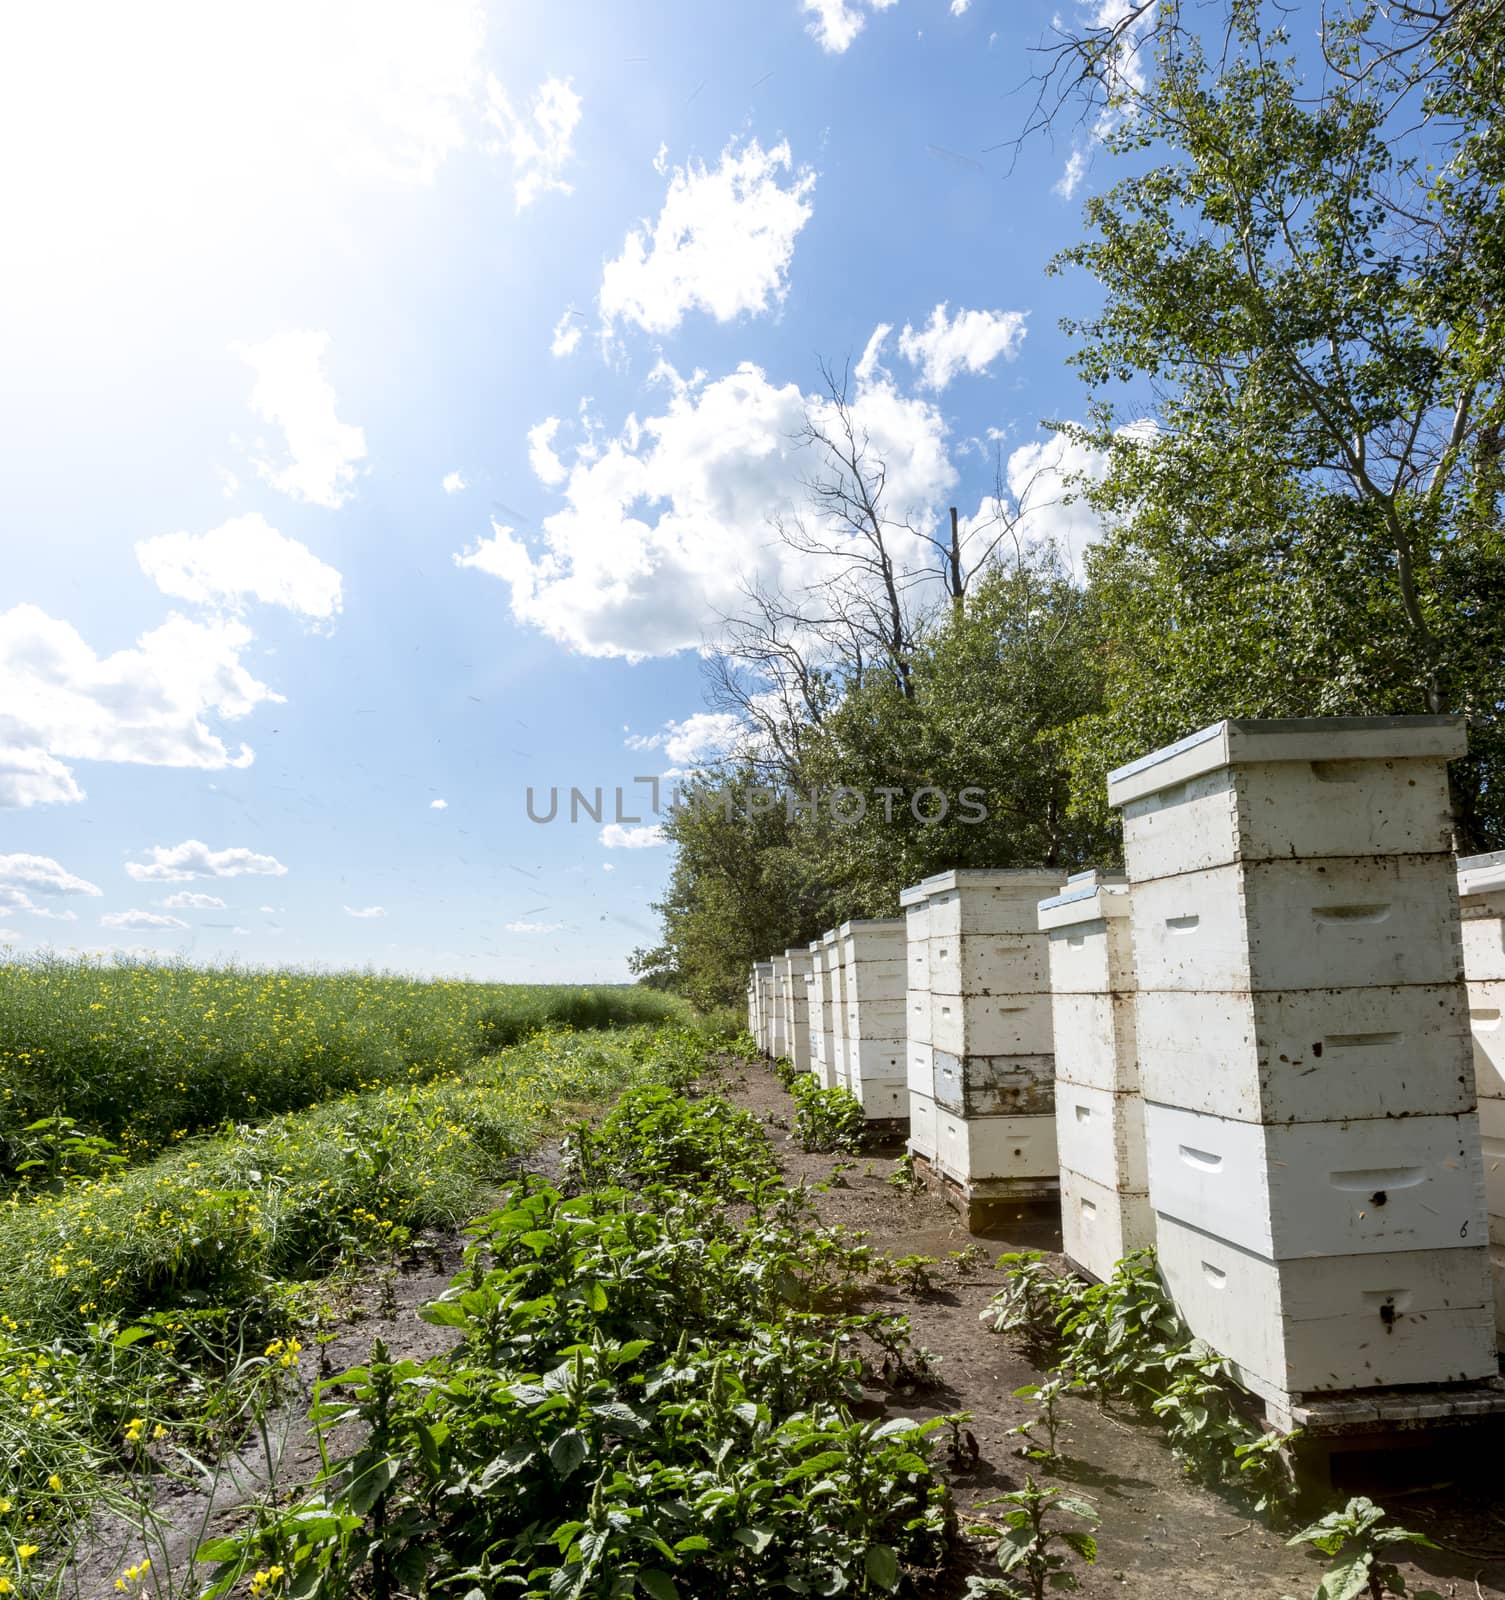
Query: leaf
(568, 1451)
(756, 1539)
(124, 1340)
(657, 1583)
(882, 1566)
(372, 1483)
(443, 1314)
(1345, 1579)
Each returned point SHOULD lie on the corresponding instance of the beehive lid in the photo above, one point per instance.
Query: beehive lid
(1088, 897)
(1231, 742)
(1481, 874)
(1022, 879)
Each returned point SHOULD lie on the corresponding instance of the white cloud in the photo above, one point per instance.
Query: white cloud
(971, 342)
(187, 900)
(270, 911)
(700, 737)
(615, 837)
(536, 927)
(140, 920)
(1044, 480)
(31, 777)
(194, 859)
(454, 483)
(661, 524)
(722, 242)
(147, 705)
(12, 900)
(292, 392)
(547, 467)
(43, 875)
(1069, 181)
(438, 805)
(868, 367)
(540, 141)
(243, 558)
(567, 332)
(959, 8)
(365, 912)
(608, 866)
(838, 23)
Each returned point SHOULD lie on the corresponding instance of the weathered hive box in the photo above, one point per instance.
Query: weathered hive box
(796, 969)
(1314, 1156)
(1105, 1205)
(875, 968)
(997, 1158)
(919, 1052)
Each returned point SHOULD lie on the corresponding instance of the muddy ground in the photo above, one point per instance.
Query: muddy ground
(1161, 1535)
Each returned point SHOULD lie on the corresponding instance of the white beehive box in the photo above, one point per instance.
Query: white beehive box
(1333, 1322)
(1100, 1134)
(987, 963)
(836, 965)
(875, 1021)
(988, 900)
(1275, 790)
(1308, 1055)
(1100, 1225)
(997, 1155)
(922, 1131)
(991, 1025)
(878, 1059)
(883, 1099)
(752, 1006)
(1481, 893)
(993, 1086)
(1342, 922)
(1320, 1188)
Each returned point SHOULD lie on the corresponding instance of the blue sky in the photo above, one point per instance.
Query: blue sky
(395, 394)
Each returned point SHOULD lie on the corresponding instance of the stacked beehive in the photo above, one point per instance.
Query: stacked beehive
(1309, 1095)
(752, 1003)
(836, 967)
(873, 959)
(990, 1032)
(822, 1006)
(794, 968)
(763, 986)
(1105, 1205)
(919, 1054)
(778, 1010)
(1481, 891)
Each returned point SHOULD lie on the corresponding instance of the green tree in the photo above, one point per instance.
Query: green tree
(1295, 379)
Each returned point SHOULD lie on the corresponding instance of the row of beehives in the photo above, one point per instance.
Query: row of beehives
(1253, 1049)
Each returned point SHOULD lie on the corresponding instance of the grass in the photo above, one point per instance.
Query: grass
(144, 1055)
(163, 1296)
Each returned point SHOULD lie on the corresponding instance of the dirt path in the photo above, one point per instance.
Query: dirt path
(1161, 1535)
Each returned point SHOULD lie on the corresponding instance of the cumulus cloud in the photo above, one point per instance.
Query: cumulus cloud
(244, 558)
(540, 142)
(969, 342)
(453, 483)
(140, 920)
(536, 927)
(1071, 177)
(836, 23)
(365, 912)
(59, 701)
(608, 866)
(567, 332)
(615, 837)
(438, 805)
(34, 778)
(703, 736)
(187, 900)
(1044, 480)
(662, 523)
(42, 875)
(293, 393)
(13, 900)
(959, 8)
(194, 859)
(722, 243)
(547, 467)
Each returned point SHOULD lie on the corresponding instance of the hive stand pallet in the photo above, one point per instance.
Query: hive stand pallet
(981, 1205)
(1354, 1421)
